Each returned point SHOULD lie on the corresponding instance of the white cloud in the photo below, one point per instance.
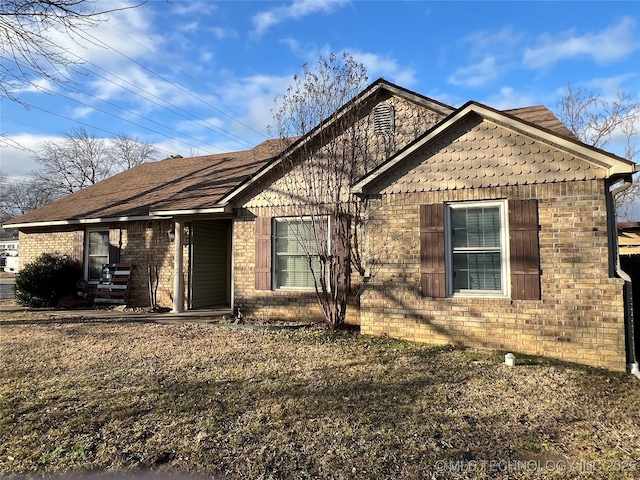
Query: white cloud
(17, 151)
(125, 32)
(609, 87)
(509, 98)
(254, 96)
(37, 85)
(190, 27)
(482, 42)
(193, 8)
(475, 75)
(384, 66)
(377, 65)
(611, 44)
(297, 9)
(221, 33)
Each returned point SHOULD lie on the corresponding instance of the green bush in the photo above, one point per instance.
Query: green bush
(43, 282)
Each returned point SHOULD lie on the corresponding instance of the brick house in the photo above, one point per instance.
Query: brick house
(484, 228)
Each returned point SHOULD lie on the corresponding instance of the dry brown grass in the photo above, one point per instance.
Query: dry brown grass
(89, 395)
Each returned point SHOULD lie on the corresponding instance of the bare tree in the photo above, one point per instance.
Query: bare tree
(73, 163)
(29, 51)
(4, 211)
(324, 218)
(597, 122)
(81, 159)
(130, 152)
(21, 196)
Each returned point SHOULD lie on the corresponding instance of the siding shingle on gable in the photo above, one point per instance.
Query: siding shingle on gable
(411, 121)
(478, 153)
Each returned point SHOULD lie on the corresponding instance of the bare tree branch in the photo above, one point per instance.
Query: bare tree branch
(317, 179)
(596, 122)
(28, 51)
(82, 159)
(130, 152)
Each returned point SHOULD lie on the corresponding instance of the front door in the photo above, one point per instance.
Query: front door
(210, 279)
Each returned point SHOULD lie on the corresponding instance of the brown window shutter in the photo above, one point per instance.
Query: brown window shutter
(115, 241)
(78, 246)
(525, 252)
(263, 253)
(432, 251)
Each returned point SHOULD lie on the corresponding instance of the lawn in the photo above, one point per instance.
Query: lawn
(118, 396)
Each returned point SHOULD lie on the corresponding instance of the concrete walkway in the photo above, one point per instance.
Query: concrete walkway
(190, 316)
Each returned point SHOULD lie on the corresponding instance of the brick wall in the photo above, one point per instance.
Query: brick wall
(281, 304)
(34, 243)
(580, 317)
(143, 244)
(147, 244)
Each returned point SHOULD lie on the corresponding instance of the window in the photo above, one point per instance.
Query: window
(477, 241)
(296, 242)
(487, 248)
(97, 252)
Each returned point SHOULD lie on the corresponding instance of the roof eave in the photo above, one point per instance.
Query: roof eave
(224, 209)
(84, 221)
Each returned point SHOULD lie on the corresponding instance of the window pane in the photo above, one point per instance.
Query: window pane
(293, 236)
(98, 243)
(98, 249)
(95, 267)
(293, 271)
(476, 271)
(476, 227)
(292, 266)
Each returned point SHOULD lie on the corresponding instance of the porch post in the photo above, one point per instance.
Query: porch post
(178, 288)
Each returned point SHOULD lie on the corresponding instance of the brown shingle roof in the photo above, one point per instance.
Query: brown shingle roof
(198, 182)
(543, 117)
(175, 184)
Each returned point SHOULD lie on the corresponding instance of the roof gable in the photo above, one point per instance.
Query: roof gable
(479, 147)
(376, 92)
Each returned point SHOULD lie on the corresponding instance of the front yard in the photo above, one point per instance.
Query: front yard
(118, 396)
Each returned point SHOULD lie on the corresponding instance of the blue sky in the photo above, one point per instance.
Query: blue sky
(199, 77)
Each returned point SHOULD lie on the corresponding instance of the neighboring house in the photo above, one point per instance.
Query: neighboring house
(629, 242)
(629, 238)
(8, 255)
(9, 244)
(484, 228)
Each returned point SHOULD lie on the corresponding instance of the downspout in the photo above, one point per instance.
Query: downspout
(633, 366)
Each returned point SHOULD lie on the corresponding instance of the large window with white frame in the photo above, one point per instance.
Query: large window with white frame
(297, 247)
(477, 244)
(97, 253)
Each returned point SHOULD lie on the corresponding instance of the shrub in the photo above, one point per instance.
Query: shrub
(43, 282)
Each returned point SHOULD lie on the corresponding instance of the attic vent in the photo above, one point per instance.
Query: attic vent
(383, 119)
